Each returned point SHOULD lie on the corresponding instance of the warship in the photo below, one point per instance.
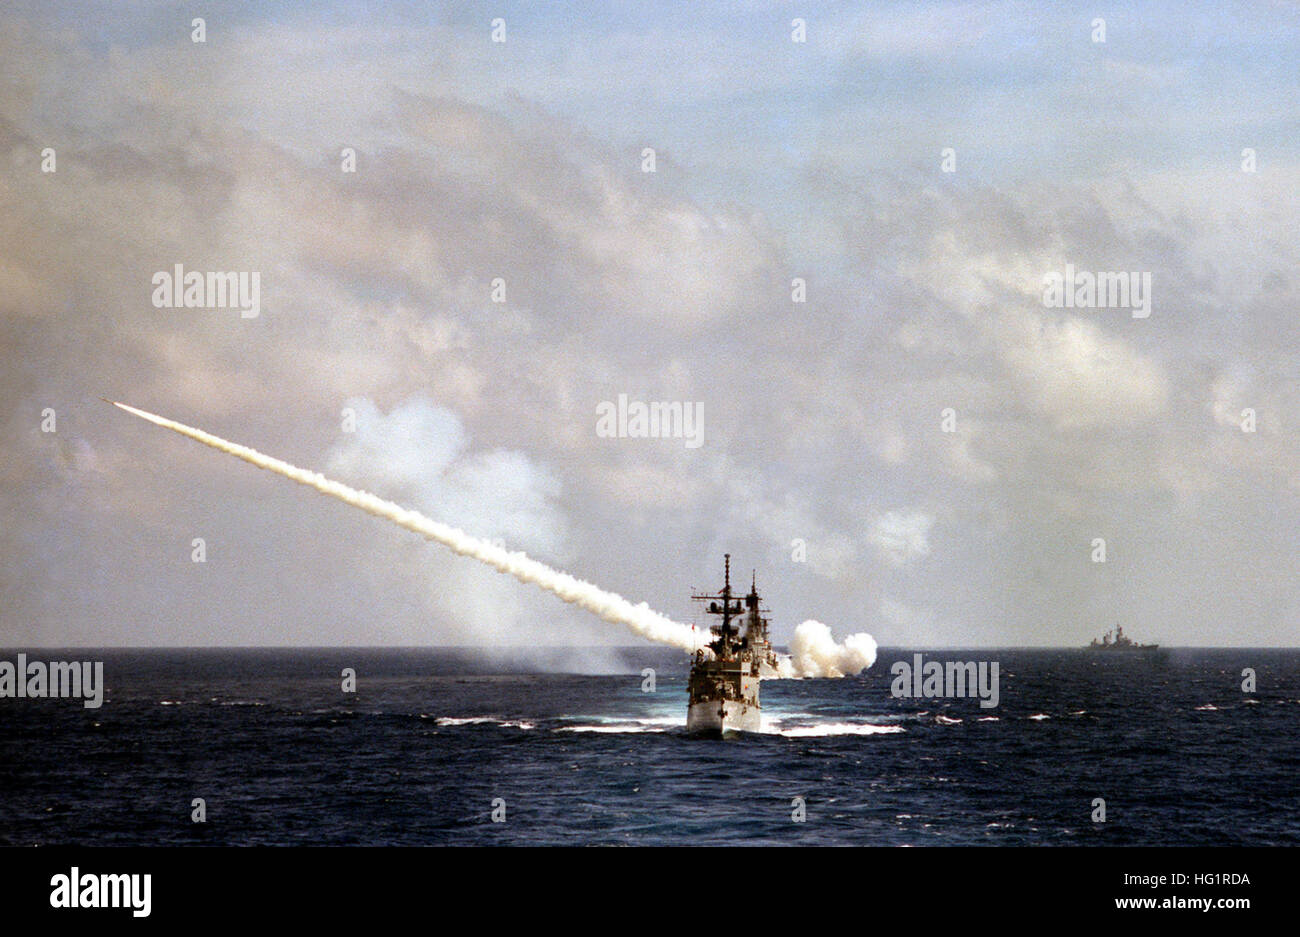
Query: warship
(724, 684)
(1116, 640)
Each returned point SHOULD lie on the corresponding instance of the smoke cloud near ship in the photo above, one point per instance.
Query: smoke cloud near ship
(814, 652)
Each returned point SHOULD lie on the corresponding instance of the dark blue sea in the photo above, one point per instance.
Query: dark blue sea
(432, 739)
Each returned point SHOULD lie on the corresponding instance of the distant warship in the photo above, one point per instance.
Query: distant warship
(1116, 640)
(724, 686)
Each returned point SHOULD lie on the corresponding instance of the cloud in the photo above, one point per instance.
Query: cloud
(902, 538)
(523, 162)
(1077, 375)
(420, 454)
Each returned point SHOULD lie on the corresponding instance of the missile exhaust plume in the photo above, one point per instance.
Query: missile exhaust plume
(814, 651)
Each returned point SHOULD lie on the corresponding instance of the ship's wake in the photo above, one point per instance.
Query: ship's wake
(826, 729)
(814, 652)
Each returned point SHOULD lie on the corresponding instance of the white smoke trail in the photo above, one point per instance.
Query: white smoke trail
(815, 652)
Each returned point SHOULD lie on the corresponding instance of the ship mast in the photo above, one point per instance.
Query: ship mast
(722, 604)
(726, 599)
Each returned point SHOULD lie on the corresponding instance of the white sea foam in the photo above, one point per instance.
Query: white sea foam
(483, 720)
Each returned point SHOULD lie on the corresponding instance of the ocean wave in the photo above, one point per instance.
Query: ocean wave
(483, 720)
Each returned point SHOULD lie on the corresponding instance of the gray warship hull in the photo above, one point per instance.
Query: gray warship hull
(723, 698)
(726, 717)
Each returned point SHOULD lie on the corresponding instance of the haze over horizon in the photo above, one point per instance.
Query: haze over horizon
(824, 463)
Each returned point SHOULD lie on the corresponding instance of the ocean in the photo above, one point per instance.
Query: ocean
(457, 747)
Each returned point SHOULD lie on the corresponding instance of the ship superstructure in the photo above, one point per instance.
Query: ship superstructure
(724, 686)
(1117, 640)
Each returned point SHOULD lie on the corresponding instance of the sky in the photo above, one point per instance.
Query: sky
(922, 448)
